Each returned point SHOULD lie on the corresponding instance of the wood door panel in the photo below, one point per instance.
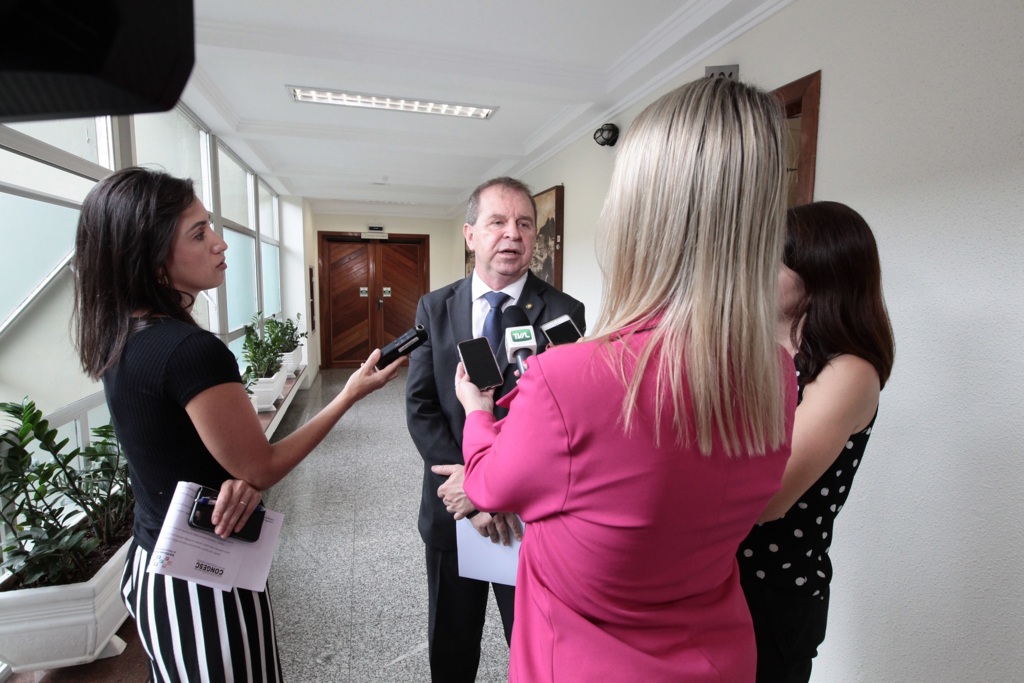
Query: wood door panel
(353, 325)
(400, 270)
(349, 268)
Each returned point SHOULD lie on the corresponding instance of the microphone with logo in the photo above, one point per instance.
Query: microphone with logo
(520, 340)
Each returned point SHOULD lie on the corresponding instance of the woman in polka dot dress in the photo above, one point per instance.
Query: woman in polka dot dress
(834, 322)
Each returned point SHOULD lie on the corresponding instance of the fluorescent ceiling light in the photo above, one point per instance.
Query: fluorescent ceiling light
(349, 99)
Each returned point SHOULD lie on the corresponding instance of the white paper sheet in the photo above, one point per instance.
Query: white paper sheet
(205, 558)
(481, 559)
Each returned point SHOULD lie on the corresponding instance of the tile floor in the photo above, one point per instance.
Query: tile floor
(349, 582)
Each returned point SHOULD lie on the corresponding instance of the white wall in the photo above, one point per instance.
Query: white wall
(922, 131)
(585, 169)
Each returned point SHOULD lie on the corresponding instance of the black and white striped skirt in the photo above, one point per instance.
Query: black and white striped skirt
(196, 634)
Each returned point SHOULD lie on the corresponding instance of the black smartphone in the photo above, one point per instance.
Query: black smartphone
(480, 363)
(402, 346)
(202, 512)
(561, 330)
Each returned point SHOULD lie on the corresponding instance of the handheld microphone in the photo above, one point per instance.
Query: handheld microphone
(520, 341)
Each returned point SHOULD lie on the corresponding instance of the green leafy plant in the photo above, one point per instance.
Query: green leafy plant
(284, 333)
(66, 513)
(260, 351)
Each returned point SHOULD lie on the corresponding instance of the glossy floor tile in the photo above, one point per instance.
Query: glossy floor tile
(348, 582)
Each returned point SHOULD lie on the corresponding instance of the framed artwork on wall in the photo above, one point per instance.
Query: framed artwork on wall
(547, 252)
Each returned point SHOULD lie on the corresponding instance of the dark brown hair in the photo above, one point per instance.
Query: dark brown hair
(831, 248)
(473, 206)
(124, 237)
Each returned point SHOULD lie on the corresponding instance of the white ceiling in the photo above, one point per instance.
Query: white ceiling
(555, 69)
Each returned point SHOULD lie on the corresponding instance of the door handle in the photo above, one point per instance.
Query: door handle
(380, 304)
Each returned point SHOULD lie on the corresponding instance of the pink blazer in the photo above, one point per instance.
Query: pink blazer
(627, 569)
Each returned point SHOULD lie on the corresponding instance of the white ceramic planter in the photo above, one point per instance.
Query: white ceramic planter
(268, 389)
(290, 361)
(47, 628)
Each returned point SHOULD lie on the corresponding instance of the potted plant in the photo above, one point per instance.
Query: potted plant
(247, 384)
(67, 518)
(285, 334)
(263, 364)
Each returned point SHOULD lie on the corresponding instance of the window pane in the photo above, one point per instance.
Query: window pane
(170, 141)
(77, 136)
(268, 216)
(234, 192)
(201, 311)
(236, 348)
(24, 172)
(36, 237)
(271, 280)
(241, 278)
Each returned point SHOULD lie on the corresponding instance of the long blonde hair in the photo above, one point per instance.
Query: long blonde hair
(691, 239)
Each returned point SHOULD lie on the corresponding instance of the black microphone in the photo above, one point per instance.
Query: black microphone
(520, 341)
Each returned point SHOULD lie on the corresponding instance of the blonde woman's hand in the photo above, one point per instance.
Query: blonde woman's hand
(469, 394)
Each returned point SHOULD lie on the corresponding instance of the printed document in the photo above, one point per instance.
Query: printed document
(207, 559)
(481, 559)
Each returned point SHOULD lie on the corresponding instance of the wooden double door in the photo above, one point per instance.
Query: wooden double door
(368, 293)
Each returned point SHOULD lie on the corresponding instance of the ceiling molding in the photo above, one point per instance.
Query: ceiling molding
(215, 103)
(664, 37)
(568, 116)
(666, 76)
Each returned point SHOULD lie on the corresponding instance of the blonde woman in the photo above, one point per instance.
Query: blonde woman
(640, 457)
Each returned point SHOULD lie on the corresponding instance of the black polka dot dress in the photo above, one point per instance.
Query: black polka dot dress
(791, 553)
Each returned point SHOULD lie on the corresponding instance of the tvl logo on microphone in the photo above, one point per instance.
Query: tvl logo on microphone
(522, 335)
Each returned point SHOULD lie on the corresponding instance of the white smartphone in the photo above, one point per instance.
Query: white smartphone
(561, 330)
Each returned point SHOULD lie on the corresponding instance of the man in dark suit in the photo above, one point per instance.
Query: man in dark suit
(500, 229)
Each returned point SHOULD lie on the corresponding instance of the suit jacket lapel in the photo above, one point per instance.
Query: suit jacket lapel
(531, 301)
(460, 311)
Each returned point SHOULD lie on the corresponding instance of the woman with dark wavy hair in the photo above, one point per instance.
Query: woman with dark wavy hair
(144, 251)
(834, 323)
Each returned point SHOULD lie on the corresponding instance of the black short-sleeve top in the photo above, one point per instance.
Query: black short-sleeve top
(791, 553)
(165, 364)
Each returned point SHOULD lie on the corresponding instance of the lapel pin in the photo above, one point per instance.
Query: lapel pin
(529, 307)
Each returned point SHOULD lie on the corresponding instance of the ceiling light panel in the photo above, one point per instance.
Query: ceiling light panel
(350, 99)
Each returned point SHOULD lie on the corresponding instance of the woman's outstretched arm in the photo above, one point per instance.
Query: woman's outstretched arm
(231, 430)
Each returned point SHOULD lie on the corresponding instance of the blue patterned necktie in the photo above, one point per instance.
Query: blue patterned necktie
(492, 323)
